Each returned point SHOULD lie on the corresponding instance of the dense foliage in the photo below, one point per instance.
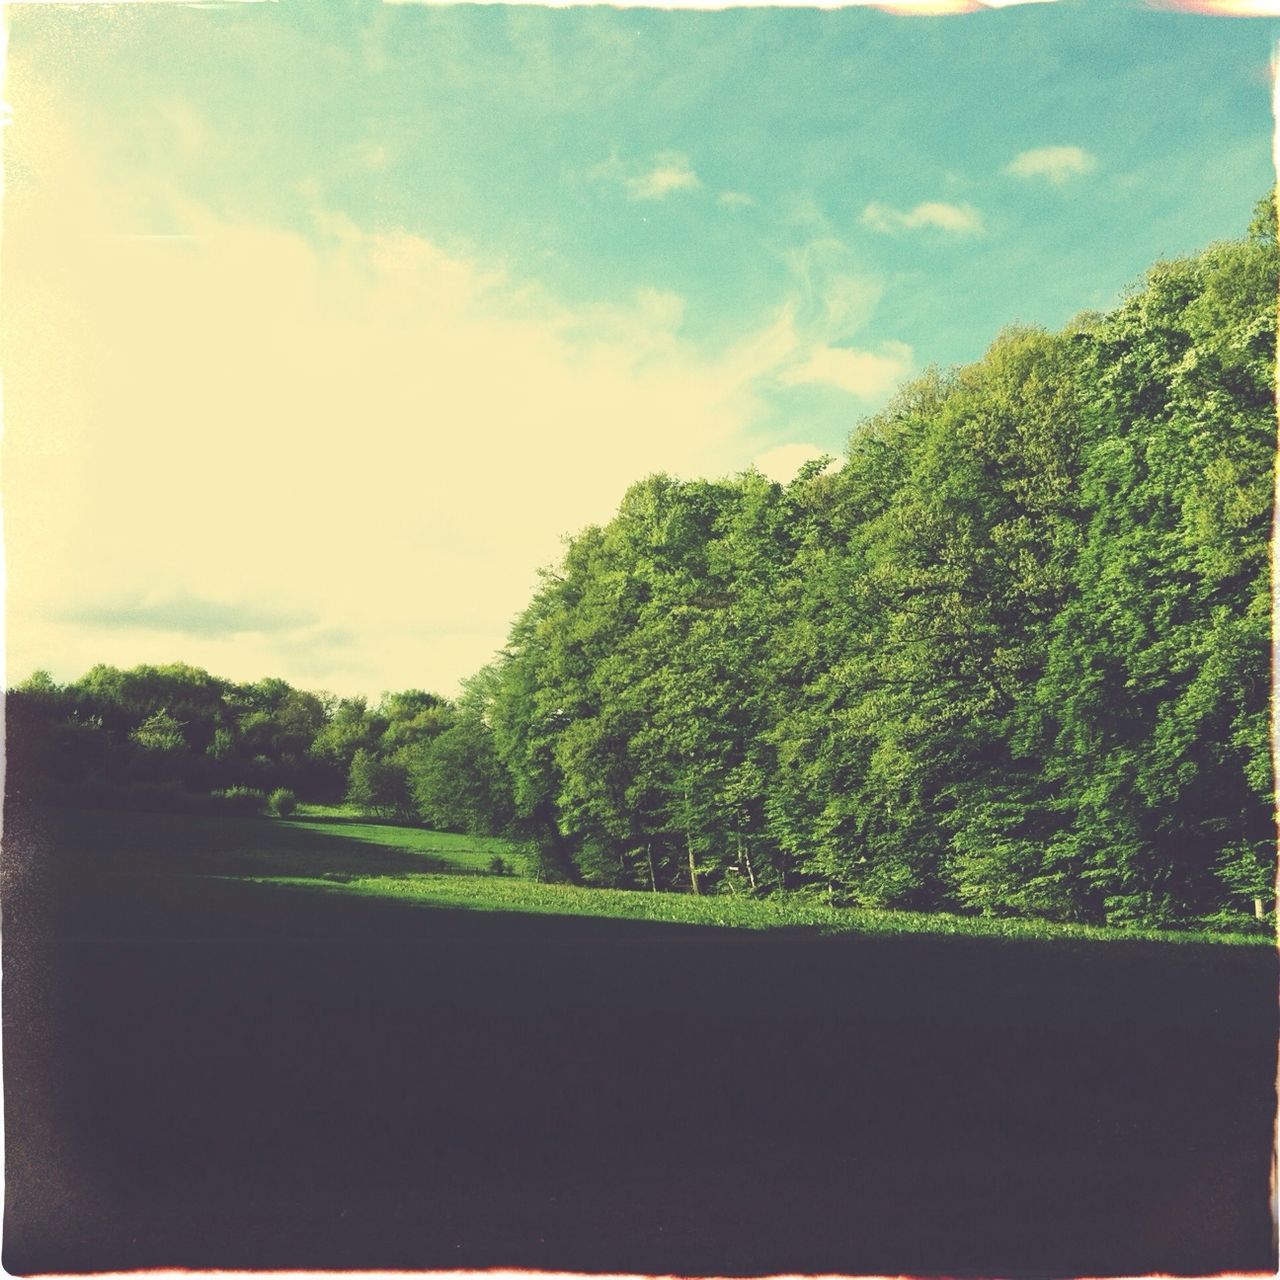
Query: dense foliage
(1010, 658)
(177, 738)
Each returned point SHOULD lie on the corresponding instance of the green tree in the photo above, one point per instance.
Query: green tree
(1158, 677)
(458, 783)
(379, 787)
(160, 733)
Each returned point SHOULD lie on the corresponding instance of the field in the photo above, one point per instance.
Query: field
(305, 1044)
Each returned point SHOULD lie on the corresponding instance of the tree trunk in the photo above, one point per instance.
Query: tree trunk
(653, 879)
(744, 854)
(688, 844)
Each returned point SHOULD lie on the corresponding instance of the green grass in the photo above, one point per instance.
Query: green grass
(443, 847)
(342, 854)
(789, 911)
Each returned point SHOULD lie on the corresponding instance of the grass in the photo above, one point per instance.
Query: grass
(239, 1044)
(343, 853)
(324, 843)
(789, 911)
(445, 848)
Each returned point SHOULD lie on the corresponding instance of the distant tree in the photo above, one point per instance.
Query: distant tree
(379, 787)
(39, 684)
(159, 732)
(349, 726)
(411, 719)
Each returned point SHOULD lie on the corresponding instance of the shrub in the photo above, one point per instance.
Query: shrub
(282, 802)
(240, 800)
(498, 865)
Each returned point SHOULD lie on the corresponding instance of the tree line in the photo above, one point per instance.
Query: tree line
(175, 737)
(1010, 657)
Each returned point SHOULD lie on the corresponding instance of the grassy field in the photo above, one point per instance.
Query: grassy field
(794, 912)
(332, 850)
(248, 1043)
(451, 852)
(314, 843)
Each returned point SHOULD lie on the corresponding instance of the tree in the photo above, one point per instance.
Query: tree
(379, 787)
(160, 733)
(458, 783)
(1158, 674)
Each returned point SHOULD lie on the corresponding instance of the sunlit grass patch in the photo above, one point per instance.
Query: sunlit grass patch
(781, 911)
(469, 853)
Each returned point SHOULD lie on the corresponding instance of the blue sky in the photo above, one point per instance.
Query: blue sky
(455, 276)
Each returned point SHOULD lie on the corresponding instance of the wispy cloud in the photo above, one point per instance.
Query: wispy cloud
(185, 614)
(669, 172)
(848, 301)
(935, 215)
(835, 296)
(866, 374)
(834, 300)
(736, 199)
(662, 174)
(1054, 164)
(458, 419)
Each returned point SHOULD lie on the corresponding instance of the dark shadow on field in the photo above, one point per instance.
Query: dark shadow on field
(98, 843)
(299, 1078)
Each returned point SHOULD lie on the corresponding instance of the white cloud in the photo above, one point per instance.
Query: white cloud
(381, 438)
(782, 463)
(867, 374)
(831, 302)
(937, 215)
(848, 302)
(736, 199)
(362, 428)
(670, 171)
(1055, 164)
(662, 174)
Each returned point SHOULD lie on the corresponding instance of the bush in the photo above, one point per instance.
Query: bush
(498, 865)
(282, 802)
(240, 800)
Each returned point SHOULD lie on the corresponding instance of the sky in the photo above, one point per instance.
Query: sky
(324, 323)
